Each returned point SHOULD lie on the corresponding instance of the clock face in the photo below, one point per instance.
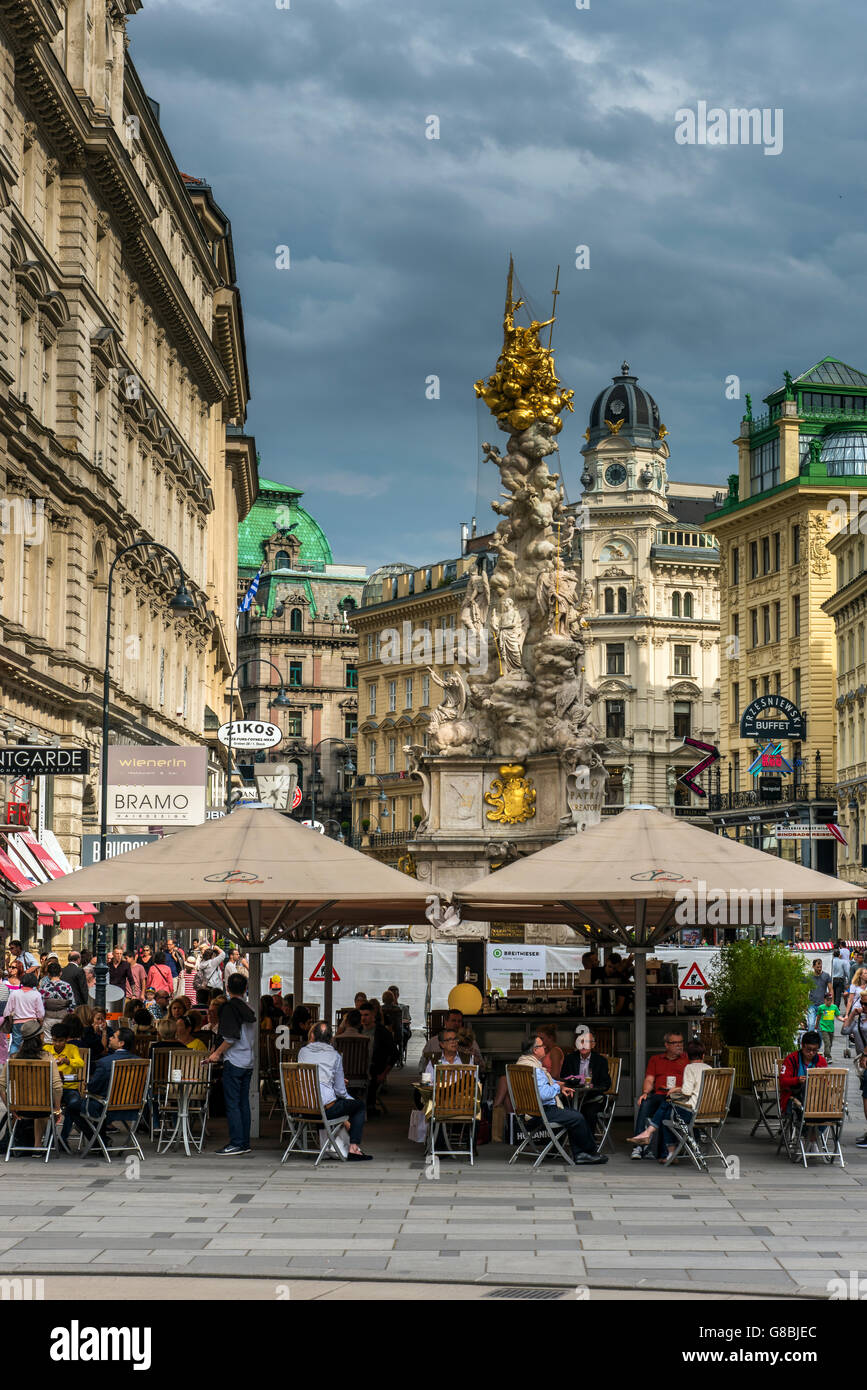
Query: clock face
(615, 474)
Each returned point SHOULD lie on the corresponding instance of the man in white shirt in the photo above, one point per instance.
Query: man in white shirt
(332, 1086)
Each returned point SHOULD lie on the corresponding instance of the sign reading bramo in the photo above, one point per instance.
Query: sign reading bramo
(755, 724)
(159, 785)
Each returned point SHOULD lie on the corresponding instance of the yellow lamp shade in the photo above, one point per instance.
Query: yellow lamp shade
(466, 998)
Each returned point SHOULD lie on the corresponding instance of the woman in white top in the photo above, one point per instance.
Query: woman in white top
(683, 1100)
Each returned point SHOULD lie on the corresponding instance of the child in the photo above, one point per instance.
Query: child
(828, 1014)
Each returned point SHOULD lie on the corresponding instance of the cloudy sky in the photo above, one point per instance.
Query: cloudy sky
(556, 130)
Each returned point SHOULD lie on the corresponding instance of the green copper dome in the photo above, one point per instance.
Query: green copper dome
(276, 507)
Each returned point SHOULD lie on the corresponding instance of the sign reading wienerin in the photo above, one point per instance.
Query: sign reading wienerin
(156, 785)
(755, 724)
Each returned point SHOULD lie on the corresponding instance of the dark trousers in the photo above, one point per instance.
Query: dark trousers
(353, 1110)
(838, 991)
(646, 1111)
(662, 1113)
(236, 1090)
(580, 1138)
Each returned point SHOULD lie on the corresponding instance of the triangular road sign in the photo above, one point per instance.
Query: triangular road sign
(693, 979)
(319, 972)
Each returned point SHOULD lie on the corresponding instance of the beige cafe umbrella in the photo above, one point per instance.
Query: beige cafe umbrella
(627, 877)
(255, 876)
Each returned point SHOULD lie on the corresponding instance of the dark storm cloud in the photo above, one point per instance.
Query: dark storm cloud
(557, 129)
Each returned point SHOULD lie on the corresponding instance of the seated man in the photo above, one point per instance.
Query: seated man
(588, 1069)
(793, 1074)
(121, 1046)
(663, 1074)
(332, 1085)
(449, 1054)
(350, 1025)
(581, 1140)
(682, 1099)
(383, 1054)
(454, 1021)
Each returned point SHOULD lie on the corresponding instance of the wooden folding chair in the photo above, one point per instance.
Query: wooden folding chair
(603, 1040)
(821, 1108)
(305, 1115)
(28, 1096)
(709, 1116)
(764, 1066)
(159, 1060)
(355, 1053)
(143, 1042)
(454, 1107)
(127, 1095)
(524, 1095)
(605, 1114)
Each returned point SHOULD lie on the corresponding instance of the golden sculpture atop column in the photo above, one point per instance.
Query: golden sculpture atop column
(525, 388)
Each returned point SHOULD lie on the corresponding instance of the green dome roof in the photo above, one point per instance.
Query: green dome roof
(267, 514)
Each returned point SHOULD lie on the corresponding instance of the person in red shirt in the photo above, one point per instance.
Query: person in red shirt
(793, 1070)
(137, 980)
(159, 976)
(663, 1073)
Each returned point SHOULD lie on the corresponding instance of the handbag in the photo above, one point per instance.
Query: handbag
(417, 1127)
(341, 1139)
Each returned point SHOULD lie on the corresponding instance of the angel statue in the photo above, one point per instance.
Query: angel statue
(450, 732)
(477, 600)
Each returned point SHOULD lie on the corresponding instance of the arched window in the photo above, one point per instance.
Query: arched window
(282, 561)
(295, 620)
(675, 605)
(687, 605)
(621, 600)
(609, 600)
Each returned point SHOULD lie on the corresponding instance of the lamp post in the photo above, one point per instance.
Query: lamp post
(182, 602)
(348, 766)
(281, 701)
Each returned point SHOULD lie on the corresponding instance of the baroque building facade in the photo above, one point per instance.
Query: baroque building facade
(299, 620)
(123, 399)
(650, 575)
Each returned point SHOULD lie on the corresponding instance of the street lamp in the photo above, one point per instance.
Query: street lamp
(316, 778)
(281, 701)
(181, 602)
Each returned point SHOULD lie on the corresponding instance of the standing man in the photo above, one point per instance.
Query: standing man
(137, 979)
(17, 952)
(237, 1029)
(839, 975)
(175, 961)
(73, 975)
(819, 980)
(119, 973)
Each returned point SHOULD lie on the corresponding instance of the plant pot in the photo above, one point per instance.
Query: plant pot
(739, 1058)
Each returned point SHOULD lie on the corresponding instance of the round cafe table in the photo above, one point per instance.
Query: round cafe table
(182, 1123)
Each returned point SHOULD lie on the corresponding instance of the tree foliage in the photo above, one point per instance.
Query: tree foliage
(760, 994)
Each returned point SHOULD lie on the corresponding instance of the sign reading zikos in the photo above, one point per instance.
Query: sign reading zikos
(756, 724)
(44, 762)
(250, 733)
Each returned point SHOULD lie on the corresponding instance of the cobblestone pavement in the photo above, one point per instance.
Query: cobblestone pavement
(776, 1230)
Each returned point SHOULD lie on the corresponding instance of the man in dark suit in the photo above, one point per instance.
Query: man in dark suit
(383, 1054)
(121, 1046)
(73, 974)
(586, 1068)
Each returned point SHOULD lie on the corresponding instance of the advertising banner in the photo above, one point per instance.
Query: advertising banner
(160, 785)
(503, 961)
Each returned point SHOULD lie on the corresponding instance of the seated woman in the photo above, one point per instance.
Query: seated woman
(179, 1006)
(32, 1050)
(96, 1031)
(555, 1053)
(185, 1031)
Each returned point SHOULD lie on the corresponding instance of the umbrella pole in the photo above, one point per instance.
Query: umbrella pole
(298, 977)
(328, 983)
(640, 1020)
(254, 994)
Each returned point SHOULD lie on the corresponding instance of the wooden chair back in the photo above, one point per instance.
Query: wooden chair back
(615, 1067)
(356, 1058)
(764, 1064)
(313, 1010)
(28, 1086)
(268, 1052)
(603, 1040)
(454, 1092)
(522, 1088)
(709, 1037)
(190, 1062)
(824, 1094)
(143, 1042)
(715, 1095)
(435, 1020)
(300, 1085)
(159, 1057)
(129, 1080)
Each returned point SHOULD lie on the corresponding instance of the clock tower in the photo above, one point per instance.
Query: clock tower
(650, 582)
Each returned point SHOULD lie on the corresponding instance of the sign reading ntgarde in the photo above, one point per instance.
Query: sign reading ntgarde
(250, 733)
(159, 785)
(756, 724)
(43, 762)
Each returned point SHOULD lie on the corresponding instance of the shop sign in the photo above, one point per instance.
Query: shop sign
(756, 723)
(156, 785)
(44, 762)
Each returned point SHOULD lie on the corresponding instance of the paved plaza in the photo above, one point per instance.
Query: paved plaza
(776, 1230)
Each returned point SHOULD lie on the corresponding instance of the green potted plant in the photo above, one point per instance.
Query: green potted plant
(346, 827)
(760, 995)
(416, 820)
(365, 827)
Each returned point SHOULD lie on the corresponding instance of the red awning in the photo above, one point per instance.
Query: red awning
(71, 917)
(812, 945)
(51, 867)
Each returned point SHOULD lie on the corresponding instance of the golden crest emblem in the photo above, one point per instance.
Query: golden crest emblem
(511, 795)
(407, 865)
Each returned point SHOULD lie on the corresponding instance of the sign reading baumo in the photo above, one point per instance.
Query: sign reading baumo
(158, 785)
(756, 724)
